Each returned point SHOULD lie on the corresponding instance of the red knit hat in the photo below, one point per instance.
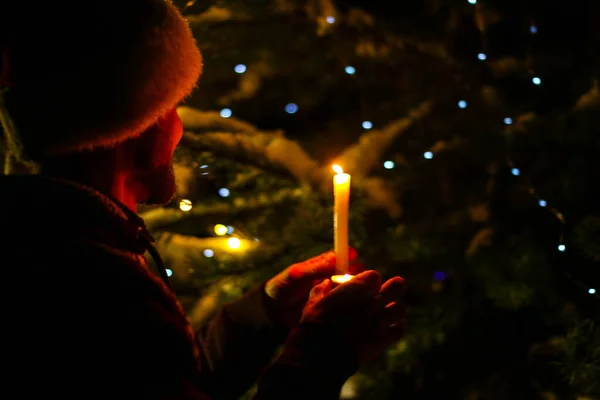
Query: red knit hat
(92, 74)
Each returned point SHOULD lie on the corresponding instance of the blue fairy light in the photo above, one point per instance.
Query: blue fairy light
(516, 171)
(240, 68)
(291, 108)
(536, 81)
(439, 276)
(508, 121)
(350, 70)
(592, 291)
(472, 1)
(331, 19)
(533, 29)
(389, 165)
(562, 248)
(482, 56)
(543, 203)
(226, 113)
(169, 272)
(208, 253)
(230, 229)
(462, 104)
(224, 192)
(428, 155)
(367, 125)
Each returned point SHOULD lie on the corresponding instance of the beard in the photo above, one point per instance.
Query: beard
(159, 184)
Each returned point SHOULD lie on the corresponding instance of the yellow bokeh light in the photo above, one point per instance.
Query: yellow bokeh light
(221, 230)
(185, 205)
(234, 243)
(342, 278)
(337, 169)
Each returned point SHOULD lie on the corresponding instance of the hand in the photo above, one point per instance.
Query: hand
(289, 289)
(366, 315)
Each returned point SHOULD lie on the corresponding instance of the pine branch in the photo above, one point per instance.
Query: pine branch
(269, 151)
(212, 15)
(211, 120)
(361, 158)
(161, 218)
(249, 83)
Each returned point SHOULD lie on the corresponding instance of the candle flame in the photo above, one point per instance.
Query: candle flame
(337, 169)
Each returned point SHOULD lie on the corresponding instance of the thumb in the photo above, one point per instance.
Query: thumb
(320, 290)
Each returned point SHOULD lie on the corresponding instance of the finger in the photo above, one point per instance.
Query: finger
(352, 254)
(356, 268)
(391, 290)
(319, 290)
(321, 266)
(394, 313)
(363, 288)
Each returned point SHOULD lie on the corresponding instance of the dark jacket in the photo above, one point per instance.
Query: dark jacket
(83, 316)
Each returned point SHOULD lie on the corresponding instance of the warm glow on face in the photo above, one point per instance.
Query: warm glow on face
(185, 205)
(234, 243)
(342, 278)
(337, 169)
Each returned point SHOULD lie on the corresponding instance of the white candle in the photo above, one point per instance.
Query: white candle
(341, 191)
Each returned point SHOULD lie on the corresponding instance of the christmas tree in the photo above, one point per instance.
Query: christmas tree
(471, 130)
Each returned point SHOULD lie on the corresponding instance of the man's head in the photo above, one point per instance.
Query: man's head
(101, 87)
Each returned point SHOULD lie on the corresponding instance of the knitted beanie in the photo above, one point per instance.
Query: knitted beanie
(80, 75)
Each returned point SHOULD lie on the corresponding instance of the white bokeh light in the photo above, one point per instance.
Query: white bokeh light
(208, 253)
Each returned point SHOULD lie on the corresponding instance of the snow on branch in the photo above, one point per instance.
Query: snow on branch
(361, 158)
(263, 149)
(160, 218)
(212, 15)
(211, 120)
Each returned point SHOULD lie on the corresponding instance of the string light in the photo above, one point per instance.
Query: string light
(508, 121)
(208, 253)
(389, 165)
(226, 113)
(482, 56)
(221, 230)
(439, 276)
(185, 205)
(562, 248)
(536, 81)
(367, 125)
(472, 1)
(169, 272)
(350, 70)
(224, 192)
(230, 229)
(533, 29)
(592, 291)
(240, 68)
(234, 243)
(543, 203)
(291, 108)
(516, 171)
(462, 104)
(331, 19)
(428, 155)
(203, 166)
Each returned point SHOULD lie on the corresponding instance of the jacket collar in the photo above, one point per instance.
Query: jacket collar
(58, 209)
